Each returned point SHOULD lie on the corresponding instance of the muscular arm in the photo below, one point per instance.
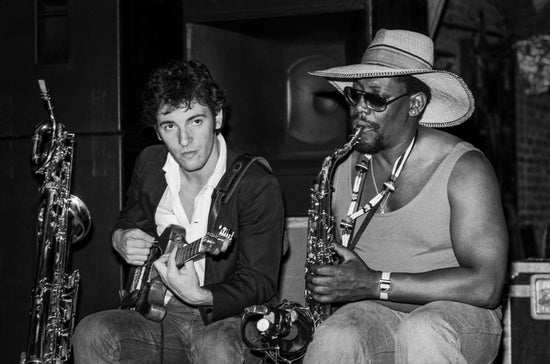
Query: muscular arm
(479, 240)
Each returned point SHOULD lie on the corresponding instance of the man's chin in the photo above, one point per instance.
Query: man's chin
(190, 167)
(367, 148)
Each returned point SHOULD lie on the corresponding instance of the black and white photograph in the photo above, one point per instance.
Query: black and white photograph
(275, 181)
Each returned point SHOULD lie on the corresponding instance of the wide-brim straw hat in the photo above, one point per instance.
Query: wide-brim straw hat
(403, 52)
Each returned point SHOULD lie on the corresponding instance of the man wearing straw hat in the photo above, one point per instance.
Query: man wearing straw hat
(422, 282)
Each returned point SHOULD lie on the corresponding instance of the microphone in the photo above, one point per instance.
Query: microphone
(281, 331)
(274, 321)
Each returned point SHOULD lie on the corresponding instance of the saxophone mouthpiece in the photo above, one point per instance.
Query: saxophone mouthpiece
(42, 85)
(355, 137)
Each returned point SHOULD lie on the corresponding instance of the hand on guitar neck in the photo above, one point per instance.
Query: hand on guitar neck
(177, 271)
(147, 287)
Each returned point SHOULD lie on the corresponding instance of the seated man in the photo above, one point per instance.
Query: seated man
(172, 184)
(422, 282)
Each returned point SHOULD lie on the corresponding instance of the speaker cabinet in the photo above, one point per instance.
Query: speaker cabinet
(275, 108)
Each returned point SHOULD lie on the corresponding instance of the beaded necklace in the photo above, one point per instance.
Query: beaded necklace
(348, 223)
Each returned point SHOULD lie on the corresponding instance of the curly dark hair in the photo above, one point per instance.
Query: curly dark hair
(177, 85)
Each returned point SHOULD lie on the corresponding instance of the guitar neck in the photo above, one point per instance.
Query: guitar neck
(187, 252)
(184, 254)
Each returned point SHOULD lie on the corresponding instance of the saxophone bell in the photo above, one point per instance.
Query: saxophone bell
(80, 219)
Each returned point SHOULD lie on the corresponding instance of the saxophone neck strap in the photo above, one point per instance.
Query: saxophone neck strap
(348, 223)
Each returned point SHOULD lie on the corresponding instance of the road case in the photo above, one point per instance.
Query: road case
(526, 336)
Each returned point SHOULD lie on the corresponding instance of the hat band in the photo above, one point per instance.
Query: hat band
(393, 57)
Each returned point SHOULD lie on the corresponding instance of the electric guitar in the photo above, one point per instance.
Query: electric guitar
(145, 291)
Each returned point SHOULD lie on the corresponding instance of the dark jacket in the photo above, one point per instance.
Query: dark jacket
(247, 273)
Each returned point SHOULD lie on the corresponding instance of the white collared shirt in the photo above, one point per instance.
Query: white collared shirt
(170, 209)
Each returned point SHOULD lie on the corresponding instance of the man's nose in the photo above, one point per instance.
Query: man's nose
(362, 107)
(359, 116)
(184, 137)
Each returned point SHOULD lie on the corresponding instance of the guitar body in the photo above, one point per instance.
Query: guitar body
(145, 292)
(135, 296)
(153, 307)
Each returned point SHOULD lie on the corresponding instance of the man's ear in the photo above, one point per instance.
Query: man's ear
(418, 103)
(157, 132)
(219, 120)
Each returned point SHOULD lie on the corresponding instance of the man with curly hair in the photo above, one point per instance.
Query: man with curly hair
(173, 184)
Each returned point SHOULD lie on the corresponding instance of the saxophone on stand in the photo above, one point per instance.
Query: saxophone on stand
(63, 219)
(284, 331)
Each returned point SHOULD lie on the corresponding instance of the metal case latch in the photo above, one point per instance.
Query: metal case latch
(540, 296)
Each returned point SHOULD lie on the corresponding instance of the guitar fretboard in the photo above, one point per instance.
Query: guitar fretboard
(188, 252)
(185, 252)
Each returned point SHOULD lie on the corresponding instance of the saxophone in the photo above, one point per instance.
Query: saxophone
(284, 331)
(63, 219)
(320, 229)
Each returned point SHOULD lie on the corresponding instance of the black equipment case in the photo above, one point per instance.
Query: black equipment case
(526, 337)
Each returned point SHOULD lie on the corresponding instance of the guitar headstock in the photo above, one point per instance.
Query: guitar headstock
(218, 240)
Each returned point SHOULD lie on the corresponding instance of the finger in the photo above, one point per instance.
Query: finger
(160, 266)
(189, 267)
(133, 242)
(321, 298)
(225, 245)
(132, 257)
(320, 294)
(139, 243)
(142, 235)
(322, 270)
(163, 258)
(220, 249)
(171, 261)
(319, 290)
(131, 250)
(320, 280)
(135, 262)
(137, 258)
(344, 252)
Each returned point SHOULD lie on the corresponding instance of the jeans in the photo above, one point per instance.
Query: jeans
(123, 336)
(436, 333)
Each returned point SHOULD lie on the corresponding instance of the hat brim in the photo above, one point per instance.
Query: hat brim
(451, 101)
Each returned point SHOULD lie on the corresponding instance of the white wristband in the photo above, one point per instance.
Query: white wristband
(384, 285)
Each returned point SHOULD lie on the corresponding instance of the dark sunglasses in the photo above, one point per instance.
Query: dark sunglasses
(374, 102)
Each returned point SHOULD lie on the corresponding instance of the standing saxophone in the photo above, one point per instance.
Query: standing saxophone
(320, 229)
(62, 220)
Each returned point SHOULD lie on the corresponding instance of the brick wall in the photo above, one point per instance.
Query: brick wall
(526, 19)
(522, 160)
(533, 158)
